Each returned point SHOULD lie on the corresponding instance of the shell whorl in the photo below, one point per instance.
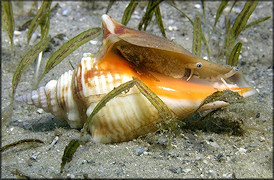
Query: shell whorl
(123, 118)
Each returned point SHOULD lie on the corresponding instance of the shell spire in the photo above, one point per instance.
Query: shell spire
(37, 98)
(56, 97)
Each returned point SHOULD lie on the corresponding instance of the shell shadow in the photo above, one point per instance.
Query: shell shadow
(45, 123)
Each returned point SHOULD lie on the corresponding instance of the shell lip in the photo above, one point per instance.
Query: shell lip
(108, 25)
(111, 26)
(249, 92)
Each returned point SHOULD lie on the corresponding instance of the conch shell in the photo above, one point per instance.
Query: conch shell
(127, 53)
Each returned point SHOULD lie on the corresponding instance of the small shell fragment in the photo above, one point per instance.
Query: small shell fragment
(17, 33)
(40, 111)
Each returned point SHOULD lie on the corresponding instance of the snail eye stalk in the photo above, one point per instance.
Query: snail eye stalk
(199, 65)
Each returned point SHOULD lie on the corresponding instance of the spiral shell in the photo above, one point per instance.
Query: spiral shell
(76, 93)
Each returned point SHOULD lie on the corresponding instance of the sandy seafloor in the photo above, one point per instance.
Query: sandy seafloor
(194, 154)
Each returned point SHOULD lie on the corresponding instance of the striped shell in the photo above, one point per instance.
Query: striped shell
(75, 94)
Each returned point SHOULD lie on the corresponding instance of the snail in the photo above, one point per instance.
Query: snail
(124, 55)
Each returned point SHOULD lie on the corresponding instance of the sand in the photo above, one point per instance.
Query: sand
(193, 154)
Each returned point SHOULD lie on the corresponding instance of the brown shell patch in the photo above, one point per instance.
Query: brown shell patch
(78, 81)
(63, 99)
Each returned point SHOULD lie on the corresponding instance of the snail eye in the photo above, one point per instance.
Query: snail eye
(199, 65)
